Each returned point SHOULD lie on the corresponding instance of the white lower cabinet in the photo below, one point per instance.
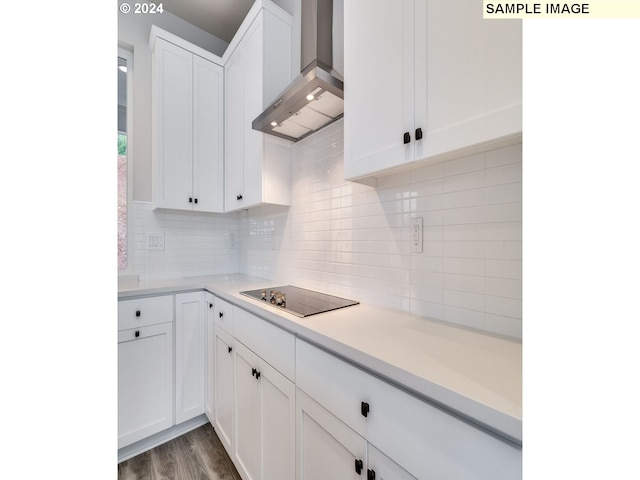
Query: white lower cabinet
(425, 441)
(265, 419)
(328, 448)
(325, 447)
(190, 355)
(145, 368)
(224, 388)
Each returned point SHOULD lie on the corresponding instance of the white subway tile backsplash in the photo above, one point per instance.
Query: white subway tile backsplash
(503, 268)
(464, 181)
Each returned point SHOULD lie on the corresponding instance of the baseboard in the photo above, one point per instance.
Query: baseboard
(159, 438)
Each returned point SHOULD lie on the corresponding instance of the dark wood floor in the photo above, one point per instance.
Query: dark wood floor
(196, 455)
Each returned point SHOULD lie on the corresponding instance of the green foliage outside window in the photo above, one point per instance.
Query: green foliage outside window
(122, 144)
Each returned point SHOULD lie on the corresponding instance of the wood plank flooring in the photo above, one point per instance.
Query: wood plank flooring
(196, 455)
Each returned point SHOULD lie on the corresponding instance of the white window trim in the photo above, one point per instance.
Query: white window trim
(128, 56)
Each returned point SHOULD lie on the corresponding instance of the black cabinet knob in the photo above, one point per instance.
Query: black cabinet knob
(230, 349)
(359, 466)
(137, 313)
(253, 372)
(407, 137)
(257, 374)
(137, 333)
(221, 314)
(418, 134)
(195, 200)
(364, 409)
(371, 474)
(210, 305)
(190, 200)
(239, 197)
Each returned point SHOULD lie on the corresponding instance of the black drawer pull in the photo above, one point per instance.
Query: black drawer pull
(137, 313)
(407, 137)
(418, 134)
(230, 349)
(239, 197)
(221, 314)
(359, 466)
(364, 409)
(253, 372)
(371, 474)
(137, 333)
(190, 200)
(210, 305)
(195, 200)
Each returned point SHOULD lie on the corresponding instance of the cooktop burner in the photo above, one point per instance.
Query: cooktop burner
(299, 301)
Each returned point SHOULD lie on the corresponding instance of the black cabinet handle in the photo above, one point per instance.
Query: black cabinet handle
(418, 134)
(230, 349)
(210, 305)
(190, 200)
(371, 474)
(407, 137)
(257, 374)
(253, 372)
(137, 313)
(137, 333)
(221, 314)
(364, 409)
(195, 200)
(239, 197)
(359, 466)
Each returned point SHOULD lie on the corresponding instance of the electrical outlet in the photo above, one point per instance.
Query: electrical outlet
(155, 241)
(416, 235)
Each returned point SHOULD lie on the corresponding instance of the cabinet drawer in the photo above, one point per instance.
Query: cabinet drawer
(424, 440)
(271, 343)
(140, 312)
(223, 314)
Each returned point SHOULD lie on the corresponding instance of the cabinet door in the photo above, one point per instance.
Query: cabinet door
(224, 388)
(190, 355)
(210, 366)
(253, 95)
(278, 424)
(326, 447)
(234, 144)
(208, 133)
(379, 94)
(247, 412)
(173, 125)
(474, 82)
(381, 467)
(145, 382)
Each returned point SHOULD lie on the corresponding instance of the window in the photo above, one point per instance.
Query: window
(124, 159)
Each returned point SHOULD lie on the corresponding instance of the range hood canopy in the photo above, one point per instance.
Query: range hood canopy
(315, 98)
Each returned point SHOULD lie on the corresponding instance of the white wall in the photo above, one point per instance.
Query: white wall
(354, 240)
(133, 34)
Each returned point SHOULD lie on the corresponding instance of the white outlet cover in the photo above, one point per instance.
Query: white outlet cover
(155, 241)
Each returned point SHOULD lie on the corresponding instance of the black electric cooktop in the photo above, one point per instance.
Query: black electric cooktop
(299, 301)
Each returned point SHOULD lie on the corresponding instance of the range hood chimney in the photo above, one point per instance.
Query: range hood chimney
(315, 98)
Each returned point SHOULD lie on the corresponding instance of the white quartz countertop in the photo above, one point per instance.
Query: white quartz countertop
(477, 375)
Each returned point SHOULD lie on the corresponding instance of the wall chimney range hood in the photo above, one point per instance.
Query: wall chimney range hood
(315, 98)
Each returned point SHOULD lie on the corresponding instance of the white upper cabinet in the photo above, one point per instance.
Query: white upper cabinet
(188, 125)
(257, 69)
(439, 82)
